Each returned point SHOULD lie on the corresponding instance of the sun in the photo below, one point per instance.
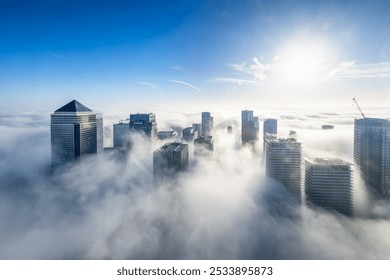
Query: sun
(302, 61)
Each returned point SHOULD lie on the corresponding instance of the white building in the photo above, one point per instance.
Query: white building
(283, 162)
(329, 184)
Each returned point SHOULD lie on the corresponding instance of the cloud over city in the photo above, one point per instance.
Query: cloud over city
(223, 207)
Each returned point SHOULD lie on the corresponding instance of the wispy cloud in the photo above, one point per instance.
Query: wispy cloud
(256, 73)
(374, 70)
(177, 67)
(186, 84)
(341, 67)
(150, 85)
(236, 81)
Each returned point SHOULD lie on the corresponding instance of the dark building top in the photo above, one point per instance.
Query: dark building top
(73, 107)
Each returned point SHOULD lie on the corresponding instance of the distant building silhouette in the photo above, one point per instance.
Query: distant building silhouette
(169, 160)
(75, 131)
(249, 127)
(145, 124)
(284, 163)
(167, 134)
(207, 124)
(329, 184)
(372, 153)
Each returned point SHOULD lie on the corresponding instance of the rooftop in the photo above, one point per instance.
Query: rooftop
(327, 161)
(172, 147)
(73, 107)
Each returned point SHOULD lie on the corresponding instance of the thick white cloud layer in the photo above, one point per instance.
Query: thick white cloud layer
(224, 207)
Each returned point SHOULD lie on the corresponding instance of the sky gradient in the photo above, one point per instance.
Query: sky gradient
(205, 53)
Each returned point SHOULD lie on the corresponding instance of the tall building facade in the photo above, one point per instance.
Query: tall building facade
(121, 133)
(284, 163)
(207, 124)
(329, 184)
(372, 153)
(249, 127)
(99, 133)
(169, 160)
(74, 132)
(270, 126)
(144, 123)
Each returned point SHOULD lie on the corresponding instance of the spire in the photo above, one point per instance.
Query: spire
(74, 106)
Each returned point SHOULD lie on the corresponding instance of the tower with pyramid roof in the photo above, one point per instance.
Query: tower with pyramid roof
(75, 131)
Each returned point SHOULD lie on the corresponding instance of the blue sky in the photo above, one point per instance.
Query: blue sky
(186, 52)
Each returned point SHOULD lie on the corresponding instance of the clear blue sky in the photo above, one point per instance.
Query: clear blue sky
(159, 52)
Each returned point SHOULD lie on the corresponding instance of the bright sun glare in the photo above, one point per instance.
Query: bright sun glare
(302, 62)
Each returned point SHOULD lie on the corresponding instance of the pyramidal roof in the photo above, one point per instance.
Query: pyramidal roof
(74, 107)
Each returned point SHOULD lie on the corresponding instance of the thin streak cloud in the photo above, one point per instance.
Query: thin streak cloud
(150, 85)
(186, 84)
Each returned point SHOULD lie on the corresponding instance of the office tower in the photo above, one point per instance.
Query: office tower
(169, 160)
(207, 124)
(329, 184)
(144, 123)
(283, 163)
(372, 153)
(197, 129)
(121, 135)
(99, 133)
(270, 126)
(167, 134)
(74, 132)
(188, 134)
(249, 127)
(229, 129)
(203, 145)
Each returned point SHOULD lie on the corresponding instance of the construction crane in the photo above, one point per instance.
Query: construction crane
(360, 110)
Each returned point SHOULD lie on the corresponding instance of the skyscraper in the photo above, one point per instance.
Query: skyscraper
(74, 132)
(207, 123)
(270, 131)
(170, 159)
(372, 153)
(99, 133)
(121, 135)
(329, 184)
(144, 123)
(283, 163)
(249, 127)
(270, 126)
(203, 145)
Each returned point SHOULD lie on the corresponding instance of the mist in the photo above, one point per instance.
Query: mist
(223, 207)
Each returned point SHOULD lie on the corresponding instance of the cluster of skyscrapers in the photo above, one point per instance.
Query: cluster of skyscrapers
(77, 131)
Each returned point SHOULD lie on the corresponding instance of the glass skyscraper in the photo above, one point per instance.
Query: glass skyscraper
(249, 127)
(170, 159)
(372, 153)
(144, 123)
(75, 131)
(207, 123)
